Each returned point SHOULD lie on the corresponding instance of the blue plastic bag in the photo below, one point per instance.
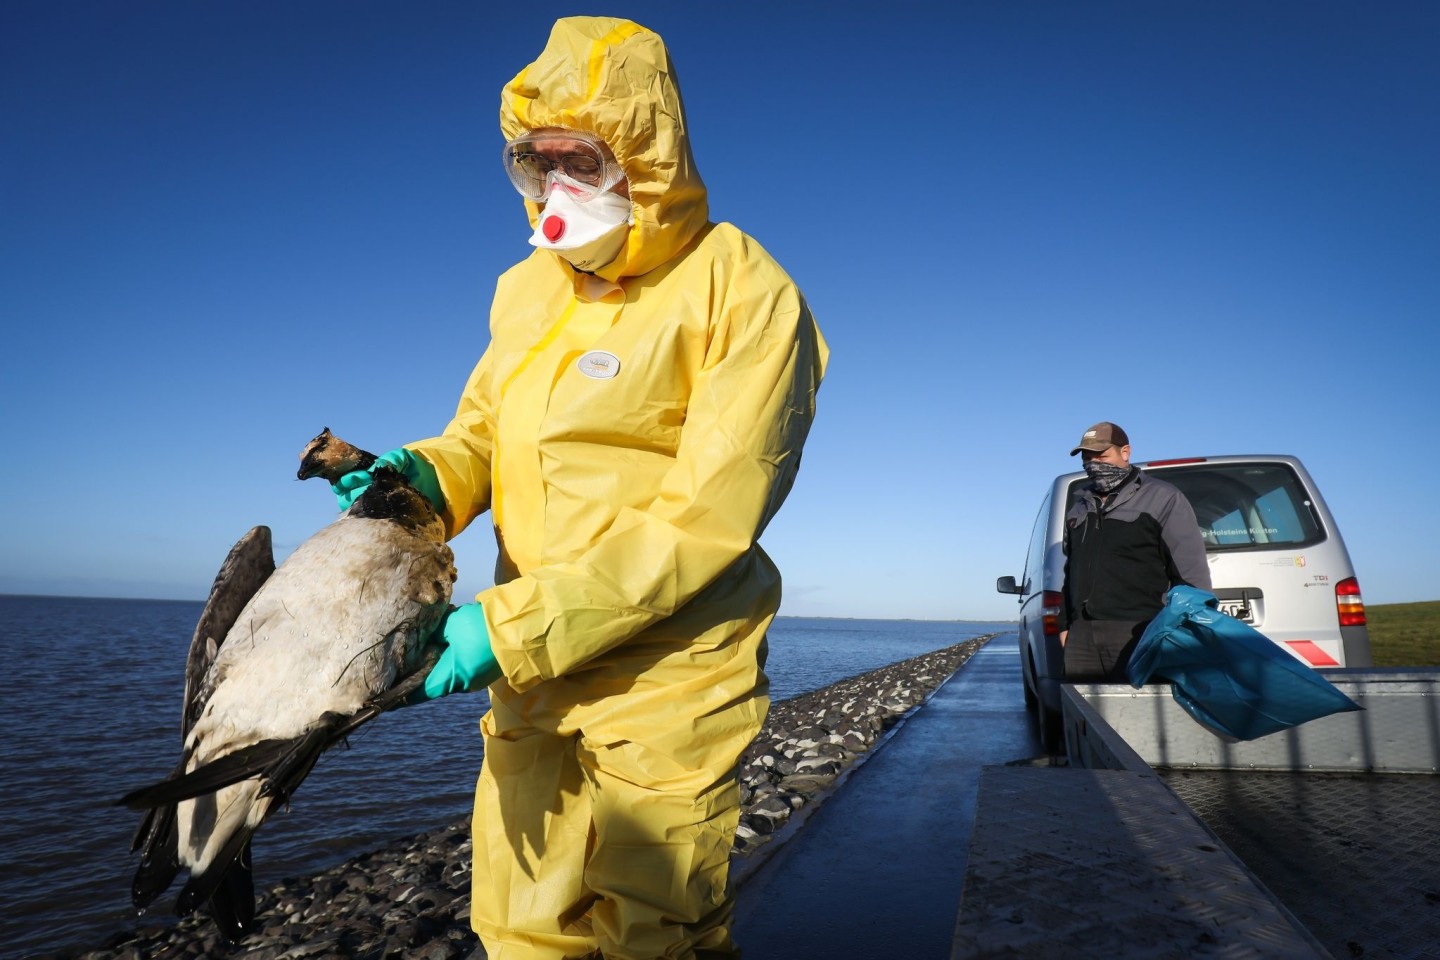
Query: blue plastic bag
(1226, 674)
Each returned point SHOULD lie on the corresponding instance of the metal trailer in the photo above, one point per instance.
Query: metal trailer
(1159, 839)
(1337, 819)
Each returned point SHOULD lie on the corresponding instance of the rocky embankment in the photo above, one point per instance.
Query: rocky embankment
(412, 899)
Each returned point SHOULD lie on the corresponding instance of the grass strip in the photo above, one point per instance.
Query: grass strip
(1405, 634)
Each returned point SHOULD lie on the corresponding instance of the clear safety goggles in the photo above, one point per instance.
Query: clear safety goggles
(532, 162)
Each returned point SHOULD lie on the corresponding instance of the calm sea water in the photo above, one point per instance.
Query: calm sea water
(94, 711)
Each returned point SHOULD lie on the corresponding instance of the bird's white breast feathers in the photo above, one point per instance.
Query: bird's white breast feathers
(330, 628)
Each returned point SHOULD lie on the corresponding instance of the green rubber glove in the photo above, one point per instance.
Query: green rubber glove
(468, 663)
(416, 470)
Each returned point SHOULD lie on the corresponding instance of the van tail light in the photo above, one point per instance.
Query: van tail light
(1050, 613)
(1349, 604)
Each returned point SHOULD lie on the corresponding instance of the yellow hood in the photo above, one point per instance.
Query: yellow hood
(613, 78)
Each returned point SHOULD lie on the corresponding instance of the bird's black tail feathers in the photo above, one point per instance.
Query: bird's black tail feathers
(232, 905)
(227, 883)
(158, 842)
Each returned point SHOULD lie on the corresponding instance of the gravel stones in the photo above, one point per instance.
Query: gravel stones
(412, 899)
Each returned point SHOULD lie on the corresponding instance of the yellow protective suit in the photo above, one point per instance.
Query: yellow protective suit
(631, 433)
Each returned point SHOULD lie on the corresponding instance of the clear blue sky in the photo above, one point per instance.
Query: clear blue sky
(225, 225)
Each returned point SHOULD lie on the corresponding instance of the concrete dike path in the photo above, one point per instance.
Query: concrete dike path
(877, 870)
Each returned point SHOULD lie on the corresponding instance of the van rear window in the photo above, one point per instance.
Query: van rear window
(1247, 506)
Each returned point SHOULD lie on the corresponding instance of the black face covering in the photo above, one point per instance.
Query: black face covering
(1106, 476)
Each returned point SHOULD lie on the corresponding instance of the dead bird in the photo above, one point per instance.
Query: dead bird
(284, 663)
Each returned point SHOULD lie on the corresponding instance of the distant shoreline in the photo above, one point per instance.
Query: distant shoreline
(785, 616)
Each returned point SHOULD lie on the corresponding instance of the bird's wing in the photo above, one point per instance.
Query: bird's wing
(246, 568)
(249, 564)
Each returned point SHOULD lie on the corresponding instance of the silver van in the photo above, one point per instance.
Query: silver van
(1276, 561)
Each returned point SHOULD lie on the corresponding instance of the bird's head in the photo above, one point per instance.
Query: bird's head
(330, 457)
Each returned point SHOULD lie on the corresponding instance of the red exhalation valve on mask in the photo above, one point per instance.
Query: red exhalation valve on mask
(553, 228)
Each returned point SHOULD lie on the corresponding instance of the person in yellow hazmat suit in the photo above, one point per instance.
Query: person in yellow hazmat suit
(634, 424)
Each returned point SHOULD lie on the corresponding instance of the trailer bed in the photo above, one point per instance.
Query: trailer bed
(1338, 818)
(1356, 858)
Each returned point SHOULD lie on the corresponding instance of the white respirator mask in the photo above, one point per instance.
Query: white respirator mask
(588, 234)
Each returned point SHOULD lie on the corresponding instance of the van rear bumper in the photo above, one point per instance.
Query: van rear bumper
(1356, 643)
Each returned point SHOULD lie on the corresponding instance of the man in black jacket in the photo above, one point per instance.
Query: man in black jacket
(1129, 538)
